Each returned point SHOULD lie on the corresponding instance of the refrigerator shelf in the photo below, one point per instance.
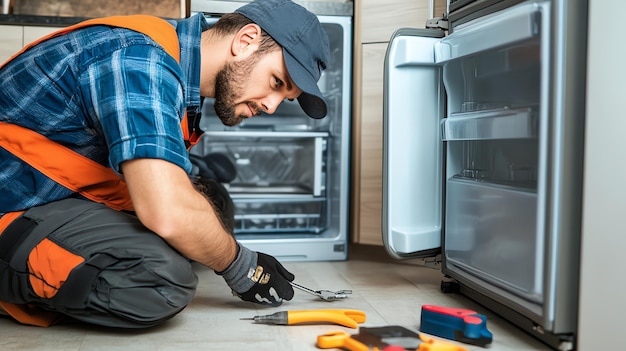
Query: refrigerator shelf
(273, 215)
(277, 223)
(500, 123)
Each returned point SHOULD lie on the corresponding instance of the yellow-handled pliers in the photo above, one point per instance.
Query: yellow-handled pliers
(347, 318)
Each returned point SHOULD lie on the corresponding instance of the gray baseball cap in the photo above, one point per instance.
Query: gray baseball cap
(304, 42)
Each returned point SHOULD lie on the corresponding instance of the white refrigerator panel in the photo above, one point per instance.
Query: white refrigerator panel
(412, 146)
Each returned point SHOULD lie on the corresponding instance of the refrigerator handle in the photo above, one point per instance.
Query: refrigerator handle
(413, 103)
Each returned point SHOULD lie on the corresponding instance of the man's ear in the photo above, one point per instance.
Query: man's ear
(246, 41)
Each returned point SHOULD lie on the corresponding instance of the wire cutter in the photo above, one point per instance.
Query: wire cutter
(347, 318)
(324, 294)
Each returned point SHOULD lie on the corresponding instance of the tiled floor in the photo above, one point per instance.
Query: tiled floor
(389, 292)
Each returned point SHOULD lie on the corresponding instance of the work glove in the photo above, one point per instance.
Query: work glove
(257, 277)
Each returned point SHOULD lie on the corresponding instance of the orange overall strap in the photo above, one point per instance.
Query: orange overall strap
(66, 167)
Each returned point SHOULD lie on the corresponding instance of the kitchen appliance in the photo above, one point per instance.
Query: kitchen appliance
(483, 142)
(291, 186)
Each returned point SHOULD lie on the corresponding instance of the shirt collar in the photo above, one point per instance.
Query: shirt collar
(189, 34)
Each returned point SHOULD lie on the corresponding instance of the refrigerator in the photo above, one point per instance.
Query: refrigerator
(287, 174)
(483, 133)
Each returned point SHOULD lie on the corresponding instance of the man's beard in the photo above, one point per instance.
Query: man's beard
(230, 83)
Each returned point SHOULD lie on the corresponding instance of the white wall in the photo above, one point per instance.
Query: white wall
(603, 279)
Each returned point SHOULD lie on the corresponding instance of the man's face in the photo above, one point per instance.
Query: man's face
(245, 88)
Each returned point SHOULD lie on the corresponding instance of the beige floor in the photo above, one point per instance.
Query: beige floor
(389, 292)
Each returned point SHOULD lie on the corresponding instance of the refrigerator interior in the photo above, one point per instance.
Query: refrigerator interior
(291, 187)
(491, 132)
(495, 73)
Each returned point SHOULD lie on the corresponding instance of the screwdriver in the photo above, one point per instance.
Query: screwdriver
(347, 318)
(279, 318)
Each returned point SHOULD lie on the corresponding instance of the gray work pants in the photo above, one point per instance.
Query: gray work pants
(119, 273)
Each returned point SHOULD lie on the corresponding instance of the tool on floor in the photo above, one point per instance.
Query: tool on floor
(324, 294)
(347, 318)
(389, 338)
(455, 324)
(405, 338)
(340, 340)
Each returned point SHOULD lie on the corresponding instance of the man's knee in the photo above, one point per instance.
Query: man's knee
(143, 307)
(139, 294)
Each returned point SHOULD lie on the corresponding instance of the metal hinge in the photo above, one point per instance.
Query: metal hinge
(437, 23)
(432, 262)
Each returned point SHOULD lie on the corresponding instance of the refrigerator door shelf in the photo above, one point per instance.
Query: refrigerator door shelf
(412, 147)
(499, 29)
(491, 124)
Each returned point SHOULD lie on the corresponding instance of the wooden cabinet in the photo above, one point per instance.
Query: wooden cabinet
(10, 41)
(369, 172)
(32, 33)
(375, 22)
(14, 37)
(97, 8)
(381, 18)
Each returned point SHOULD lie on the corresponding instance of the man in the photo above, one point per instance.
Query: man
(99, 216)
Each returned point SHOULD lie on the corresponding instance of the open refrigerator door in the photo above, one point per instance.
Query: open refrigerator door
(412, 148)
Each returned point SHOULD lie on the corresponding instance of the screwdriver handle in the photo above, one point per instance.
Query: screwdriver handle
(347, 318)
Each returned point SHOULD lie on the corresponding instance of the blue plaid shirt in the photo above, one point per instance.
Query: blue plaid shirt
(109, 94)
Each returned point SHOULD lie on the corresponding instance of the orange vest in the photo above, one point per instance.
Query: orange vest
(68, 168)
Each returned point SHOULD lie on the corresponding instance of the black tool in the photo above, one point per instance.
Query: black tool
(214, 166)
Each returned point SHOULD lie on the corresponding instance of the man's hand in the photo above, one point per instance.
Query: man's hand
(257, 277)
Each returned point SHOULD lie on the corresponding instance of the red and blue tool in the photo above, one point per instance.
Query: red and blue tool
(455, 324)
